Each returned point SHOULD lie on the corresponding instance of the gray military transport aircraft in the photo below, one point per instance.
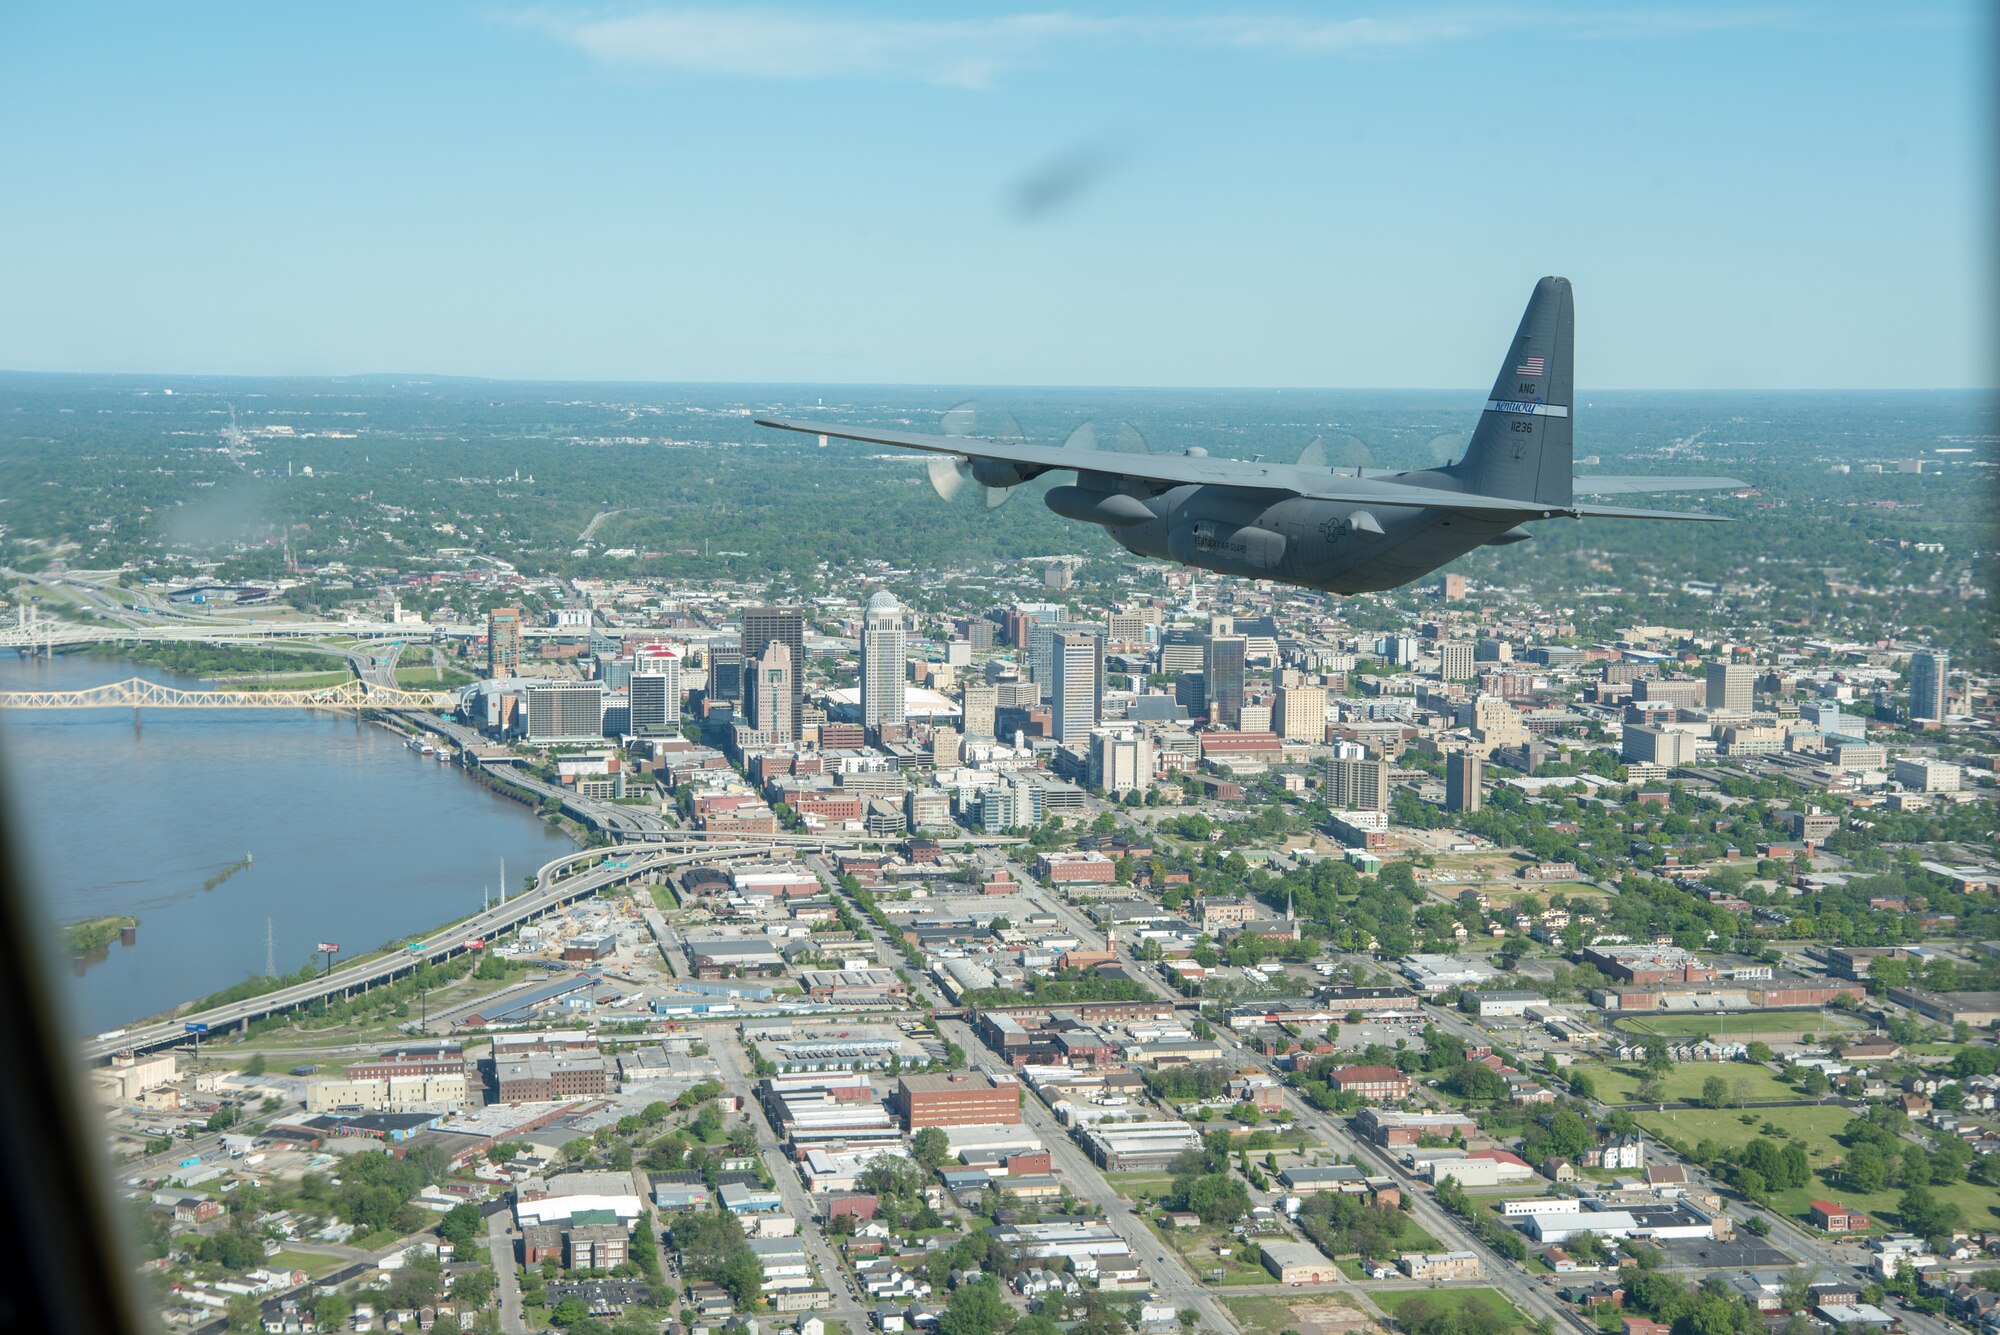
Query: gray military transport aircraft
(1345, 532)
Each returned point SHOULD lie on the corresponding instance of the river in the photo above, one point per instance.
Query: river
(353, 837)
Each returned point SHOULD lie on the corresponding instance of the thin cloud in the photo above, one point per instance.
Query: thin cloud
(972, 52)
(772, 44)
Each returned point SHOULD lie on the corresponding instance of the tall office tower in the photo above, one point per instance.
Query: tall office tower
(725, 671)
(1121, 760)
(566, 711)
(1222, 671)
(1357, 785)
(884, 662)
(1731, 686)
(1930, 669)
(1301, 713)
(1041, 651)
(763, 627)
(771, 681)
(503, 642)
(1455, 660)
(1076, 680)
(1463, 771)
(656, 702)
(977, 711)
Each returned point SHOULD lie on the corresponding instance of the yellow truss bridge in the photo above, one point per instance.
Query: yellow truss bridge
(138, 693)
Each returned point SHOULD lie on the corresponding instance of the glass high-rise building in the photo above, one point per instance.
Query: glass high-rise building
(1222, 676)
(1929, 671)
(503, 642)
(763, 627)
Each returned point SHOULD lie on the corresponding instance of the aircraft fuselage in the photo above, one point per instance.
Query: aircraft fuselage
(1316, 544)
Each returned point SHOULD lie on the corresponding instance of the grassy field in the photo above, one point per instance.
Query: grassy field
(1471, 1296)
(1136, 1187)
(312, 1263)
(1814, 1128)
(288, 681)
(1619, 1082)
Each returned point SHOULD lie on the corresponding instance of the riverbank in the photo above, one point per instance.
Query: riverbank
(490, 781)
(357, 839)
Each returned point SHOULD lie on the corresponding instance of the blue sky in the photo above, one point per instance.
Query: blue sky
(1160, 194)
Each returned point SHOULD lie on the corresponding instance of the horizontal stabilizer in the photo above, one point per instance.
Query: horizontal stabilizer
(1622, 512)
(1607, 484)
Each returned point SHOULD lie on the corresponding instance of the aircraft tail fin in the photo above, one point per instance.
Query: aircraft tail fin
(1521, 449)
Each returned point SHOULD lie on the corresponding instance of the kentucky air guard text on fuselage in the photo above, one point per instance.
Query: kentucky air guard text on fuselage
(1344, 532)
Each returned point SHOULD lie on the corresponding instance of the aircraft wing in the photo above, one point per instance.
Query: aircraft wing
(1622, 512)
(1175, 470)
(1609, 484)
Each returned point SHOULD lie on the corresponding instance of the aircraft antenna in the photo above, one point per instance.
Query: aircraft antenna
(270, 952)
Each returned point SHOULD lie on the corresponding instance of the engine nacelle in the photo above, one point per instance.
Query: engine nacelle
(1000, 473)
(1228, 549)
(1109, 509)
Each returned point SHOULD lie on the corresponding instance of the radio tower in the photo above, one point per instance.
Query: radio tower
(270, 952)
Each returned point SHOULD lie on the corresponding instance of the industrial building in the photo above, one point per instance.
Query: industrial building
(960, 1098)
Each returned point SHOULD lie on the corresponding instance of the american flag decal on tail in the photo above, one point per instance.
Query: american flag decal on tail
(1530, 366)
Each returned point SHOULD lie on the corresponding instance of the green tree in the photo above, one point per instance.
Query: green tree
(975, 1309)
(255, 1066)
(460, 1225)
(473, 1289)
(931, 1147)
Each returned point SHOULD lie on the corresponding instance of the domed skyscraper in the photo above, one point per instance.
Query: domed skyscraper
(885, 639)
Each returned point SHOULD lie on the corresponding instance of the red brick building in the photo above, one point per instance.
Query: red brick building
(1374, 1084)
(1836, 1218)
(960, 1098)
(1068, 868)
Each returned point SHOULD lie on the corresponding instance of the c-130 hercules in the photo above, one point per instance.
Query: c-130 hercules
(1341, 532)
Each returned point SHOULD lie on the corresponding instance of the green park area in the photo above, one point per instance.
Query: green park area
(1814, 1128)
(1405, 1305)
(1618, 1082)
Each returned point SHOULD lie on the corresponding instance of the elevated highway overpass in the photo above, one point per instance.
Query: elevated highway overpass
(564, 881)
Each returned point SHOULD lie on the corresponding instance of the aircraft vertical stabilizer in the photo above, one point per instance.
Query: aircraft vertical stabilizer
(1521, 449)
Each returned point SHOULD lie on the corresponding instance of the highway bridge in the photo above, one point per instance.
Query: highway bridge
(47, 633)
(138, 693)
(564, 881)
